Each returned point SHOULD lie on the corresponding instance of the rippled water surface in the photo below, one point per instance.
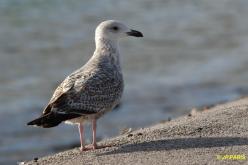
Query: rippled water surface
(194, 53)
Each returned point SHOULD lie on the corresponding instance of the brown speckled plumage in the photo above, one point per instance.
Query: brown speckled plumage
(93, 89)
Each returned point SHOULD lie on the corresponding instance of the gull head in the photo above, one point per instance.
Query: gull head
(114, 30)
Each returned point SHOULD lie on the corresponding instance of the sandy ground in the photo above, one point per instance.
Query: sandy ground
(195, 139)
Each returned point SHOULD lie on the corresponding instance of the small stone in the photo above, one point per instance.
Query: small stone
(130, 135)
(35, 159)
(199, 129)
(139, 134)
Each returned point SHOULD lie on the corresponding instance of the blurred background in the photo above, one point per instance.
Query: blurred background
(194, 54)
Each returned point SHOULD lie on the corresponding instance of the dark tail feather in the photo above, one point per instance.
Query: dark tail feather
(52, 119)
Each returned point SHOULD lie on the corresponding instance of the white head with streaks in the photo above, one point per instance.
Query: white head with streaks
(113, 30)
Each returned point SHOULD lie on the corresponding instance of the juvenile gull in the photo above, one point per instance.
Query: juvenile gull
(92, 90)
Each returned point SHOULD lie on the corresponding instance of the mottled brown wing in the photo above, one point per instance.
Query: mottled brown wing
(90, 89)
(90, 94)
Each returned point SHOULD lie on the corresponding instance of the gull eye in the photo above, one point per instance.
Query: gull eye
(115, 28)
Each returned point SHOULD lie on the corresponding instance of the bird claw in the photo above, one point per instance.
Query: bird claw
(82, 149)
(91, 147)
(87, 148)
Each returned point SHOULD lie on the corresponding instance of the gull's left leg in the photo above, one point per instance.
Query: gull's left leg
(94, 146)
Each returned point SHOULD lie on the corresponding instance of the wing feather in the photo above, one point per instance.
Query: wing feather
(86, 93)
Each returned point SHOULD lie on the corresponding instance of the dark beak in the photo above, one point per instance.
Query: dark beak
(135, 33)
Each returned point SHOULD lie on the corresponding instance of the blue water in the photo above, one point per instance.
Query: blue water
(194, 54)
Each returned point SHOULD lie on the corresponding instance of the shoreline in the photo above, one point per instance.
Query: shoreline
(200, 138)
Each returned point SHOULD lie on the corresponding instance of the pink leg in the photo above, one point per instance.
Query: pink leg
(94, 134)
(81, 133)
(94, 145)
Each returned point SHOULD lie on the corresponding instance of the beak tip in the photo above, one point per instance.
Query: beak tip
(135, 33)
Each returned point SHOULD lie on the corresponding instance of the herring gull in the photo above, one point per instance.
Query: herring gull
(92, 90)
